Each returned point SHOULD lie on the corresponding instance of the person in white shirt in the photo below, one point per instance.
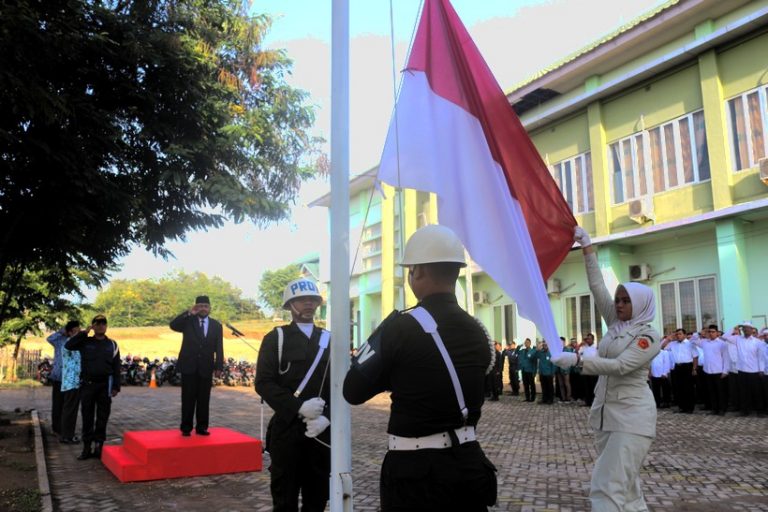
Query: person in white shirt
(751, 365)
(686, 366)
(716, 365)
(588, 382)
(764, 337)
(661, 366)
(732, 383)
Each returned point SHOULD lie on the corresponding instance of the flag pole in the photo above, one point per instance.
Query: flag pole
(341, 427)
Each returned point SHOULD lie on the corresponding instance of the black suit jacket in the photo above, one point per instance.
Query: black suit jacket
(199, 354)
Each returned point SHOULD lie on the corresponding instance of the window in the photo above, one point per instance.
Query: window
(747, 124)
(574, 178)
(660, 158)
(582, 317)
(689, 303)
(504, 323)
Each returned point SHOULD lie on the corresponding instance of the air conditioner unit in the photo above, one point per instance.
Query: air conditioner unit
(763, 166)
(480, 298)
(641, 210)
(553, 286)
(641, 272)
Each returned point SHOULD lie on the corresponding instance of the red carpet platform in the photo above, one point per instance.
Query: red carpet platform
(160, 454)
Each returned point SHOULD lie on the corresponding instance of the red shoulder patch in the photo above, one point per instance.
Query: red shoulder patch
(643, 343)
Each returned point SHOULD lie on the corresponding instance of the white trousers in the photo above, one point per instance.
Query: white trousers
(615, 485)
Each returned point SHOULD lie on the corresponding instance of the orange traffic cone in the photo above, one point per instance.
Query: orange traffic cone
(152, 381)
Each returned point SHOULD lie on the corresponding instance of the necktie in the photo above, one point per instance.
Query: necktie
(202, 327)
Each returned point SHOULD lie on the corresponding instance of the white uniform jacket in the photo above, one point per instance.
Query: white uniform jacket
(623, 400)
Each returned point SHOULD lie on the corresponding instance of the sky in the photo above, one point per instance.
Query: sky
(516, 37)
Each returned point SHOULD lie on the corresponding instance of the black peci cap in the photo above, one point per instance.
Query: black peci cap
(202, 299)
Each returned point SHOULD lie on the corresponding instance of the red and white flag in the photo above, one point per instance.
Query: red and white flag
(455, 134)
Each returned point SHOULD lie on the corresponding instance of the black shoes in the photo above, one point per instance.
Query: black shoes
(202, 432)
(184, 433)
(86, 453)
(97, 450)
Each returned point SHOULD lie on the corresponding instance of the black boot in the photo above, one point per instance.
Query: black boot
(97, 450)
(87, 453)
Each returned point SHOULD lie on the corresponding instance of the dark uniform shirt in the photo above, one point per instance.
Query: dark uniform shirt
(100, 359)
(277, 388)
(402, 358)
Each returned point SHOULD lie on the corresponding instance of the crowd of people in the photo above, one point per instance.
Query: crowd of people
(707, 371)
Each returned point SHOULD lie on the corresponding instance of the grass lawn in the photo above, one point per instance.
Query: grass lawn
(159, 341)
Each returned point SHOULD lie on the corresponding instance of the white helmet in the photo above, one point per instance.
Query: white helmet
(433, 244)
(301, 287)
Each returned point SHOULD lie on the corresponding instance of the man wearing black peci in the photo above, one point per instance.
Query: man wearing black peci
(202, 351)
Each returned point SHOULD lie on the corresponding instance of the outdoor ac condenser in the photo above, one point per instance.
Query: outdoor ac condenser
(641, 272)
(641, 210)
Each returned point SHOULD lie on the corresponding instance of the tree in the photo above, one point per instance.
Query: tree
(128, 123)
(156, 301)
(273, 283)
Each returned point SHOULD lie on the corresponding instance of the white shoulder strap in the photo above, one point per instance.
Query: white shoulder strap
(280, 352)
(325, 337)
(429, 325)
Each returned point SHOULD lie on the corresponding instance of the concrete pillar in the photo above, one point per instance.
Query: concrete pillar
(601, 182)
(387, 250)
(715, 121)
(734, 276)
(410, 217)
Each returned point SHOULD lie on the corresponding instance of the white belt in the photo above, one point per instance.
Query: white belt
(439, 440)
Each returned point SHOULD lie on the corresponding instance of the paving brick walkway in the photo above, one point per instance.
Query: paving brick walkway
(544, 455)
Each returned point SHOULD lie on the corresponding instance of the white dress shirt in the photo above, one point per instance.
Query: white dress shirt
(749, 353)
(716, 358)
(682, 351)
(661, 364)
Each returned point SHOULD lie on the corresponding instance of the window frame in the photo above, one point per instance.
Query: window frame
(697, 300)
(595, 320)
(762, 92)
(648, 163)
(558, 172)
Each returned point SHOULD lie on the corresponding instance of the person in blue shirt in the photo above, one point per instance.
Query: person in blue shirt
(528, 367)
(57, 341)
(70, 387)
(546, 373)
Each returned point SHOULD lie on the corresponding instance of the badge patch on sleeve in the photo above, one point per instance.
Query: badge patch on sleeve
(643, 343)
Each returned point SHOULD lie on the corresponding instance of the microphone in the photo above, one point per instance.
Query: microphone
(234, 330)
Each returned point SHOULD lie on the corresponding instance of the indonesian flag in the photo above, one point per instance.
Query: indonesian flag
(455, 134)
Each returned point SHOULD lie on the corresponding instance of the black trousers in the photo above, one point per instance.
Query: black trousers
(299, 465)
(56, 406)
(459, 478)
(547, 388)
(195, 401)
(683, 386)
(576, 386)
(702, 389)
(514, 381)
(662, 391)
(588, 386)
(734, 391)
(70, 403)
(529, 386)
(717, 390)
(96, 402)
(751, 389)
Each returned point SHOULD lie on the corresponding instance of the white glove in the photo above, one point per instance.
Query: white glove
(312, 408)
(565, 360)
(316, 426)
(581, 236)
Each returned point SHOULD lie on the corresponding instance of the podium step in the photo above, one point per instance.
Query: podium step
(161, 454)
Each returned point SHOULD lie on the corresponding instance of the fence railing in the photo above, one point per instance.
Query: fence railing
(24, 367)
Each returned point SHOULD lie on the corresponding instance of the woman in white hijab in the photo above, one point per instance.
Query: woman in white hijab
(623, 414)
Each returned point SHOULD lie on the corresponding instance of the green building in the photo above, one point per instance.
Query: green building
(657, 135)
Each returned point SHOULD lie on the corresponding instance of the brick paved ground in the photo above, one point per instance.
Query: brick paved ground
(698, 462)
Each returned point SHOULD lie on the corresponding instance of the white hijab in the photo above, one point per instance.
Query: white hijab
(643, 307)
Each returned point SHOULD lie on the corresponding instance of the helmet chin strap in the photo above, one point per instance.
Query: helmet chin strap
(295, 310)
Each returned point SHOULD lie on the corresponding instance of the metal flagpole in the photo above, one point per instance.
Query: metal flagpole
(341, 427)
